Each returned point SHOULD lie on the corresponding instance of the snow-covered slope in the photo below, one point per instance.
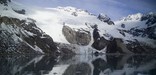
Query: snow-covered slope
(52, 20)
(19, 33)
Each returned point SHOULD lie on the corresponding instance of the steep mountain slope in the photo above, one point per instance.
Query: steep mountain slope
(142, 25)
(139, 31)
(20, 35)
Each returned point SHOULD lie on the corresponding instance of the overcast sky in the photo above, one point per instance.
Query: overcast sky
(115, 9)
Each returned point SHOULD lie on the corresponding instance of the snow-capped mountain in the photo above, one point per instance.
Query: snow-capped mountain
(139, 27)
(80, 31)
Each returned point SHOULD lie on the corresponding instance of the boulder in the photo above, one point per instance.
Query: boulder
(83, 37)
(80, 37)
(69, 34)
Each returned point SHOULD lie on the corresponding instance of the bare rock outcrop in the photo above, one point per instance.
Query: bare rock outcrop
(80, 37)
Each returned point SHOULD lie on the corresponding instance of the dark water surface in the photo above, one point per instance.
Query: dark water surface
(78, 65)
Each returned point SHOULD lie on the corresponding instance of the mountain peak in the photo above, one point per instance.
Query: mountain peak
(104, 18)
(133, 17)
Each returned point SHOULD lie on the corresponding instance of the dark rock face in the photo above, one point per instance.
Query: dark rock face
(117, 46)
(138, 47)
(43, 41)
(20, 36)
(149, 31)
(78, 69)
(113, 47)
(143, 32)
(105, 18)
(80, 37)
(122, 32)
(96, 34)
(100, 44)
(22, 11)
(149, 18)
(5, 2)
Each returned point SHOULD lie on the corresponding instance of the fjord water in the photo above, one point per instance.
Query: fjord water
(108, 64)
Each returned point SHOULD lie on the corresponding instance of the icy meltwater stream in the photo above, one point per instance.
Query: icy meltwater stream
(78, 65)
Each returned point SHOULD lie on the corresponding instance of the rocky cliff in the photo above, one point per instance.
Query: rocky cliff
(23, 37)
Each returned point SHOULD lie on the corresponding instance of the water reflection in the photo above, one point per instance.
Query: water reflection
(99, 66)
(78, 65)
(26, 65)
